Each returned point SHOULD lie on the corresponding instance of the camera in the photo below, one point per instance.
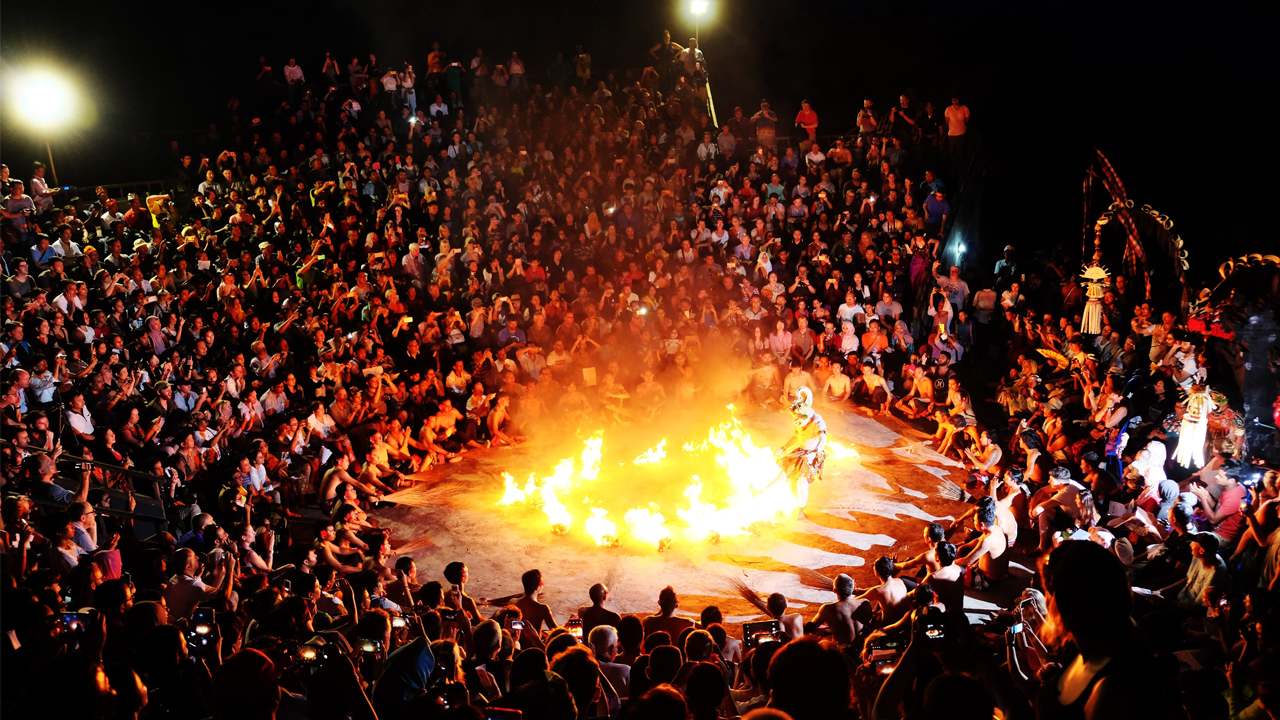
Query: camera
(200, 637)
(198, 644)
(202, 620)
(73, 622)
(313, 655)
(754, 633)
(883, 651)
(933, 624)
(399, 621)
(574, 626)
(368, 645)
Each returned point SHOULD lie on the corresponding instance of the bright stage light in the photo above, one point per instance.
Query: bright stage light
(699, 7)
(42, 98)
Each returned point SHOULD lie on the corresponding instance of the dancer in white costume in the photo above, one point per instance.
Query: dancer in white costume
(1195, 425)
(805, 453)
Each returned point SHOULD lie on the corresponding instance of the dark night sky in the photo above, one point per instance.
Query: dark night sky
(1171, 91)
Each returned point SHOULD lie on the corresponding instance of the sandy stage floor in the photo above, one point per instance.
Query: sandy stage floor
(875, 505)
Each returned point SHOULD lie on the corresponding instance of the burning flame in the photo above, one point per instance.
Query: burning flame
(655, 454)
(603, 530)
(716, 486)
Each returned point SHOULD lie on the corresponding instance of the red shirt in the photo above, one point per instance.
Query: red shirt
(1231, 526)
(806, 118)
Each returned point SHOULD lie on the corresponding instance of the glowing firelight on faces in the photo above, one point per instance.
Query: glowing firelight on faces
(748, 489)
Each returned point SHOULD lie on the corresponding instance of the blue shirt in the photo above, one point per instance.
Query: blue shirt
(57, 493)
(507, 336)
(934, 209)
(42, 257)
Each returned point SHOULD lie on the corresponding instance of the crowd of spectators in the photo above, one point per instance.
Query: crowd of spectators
(375, 273)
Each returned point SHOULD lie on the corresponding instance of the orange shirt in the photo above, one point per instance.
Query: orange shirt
(874, 342)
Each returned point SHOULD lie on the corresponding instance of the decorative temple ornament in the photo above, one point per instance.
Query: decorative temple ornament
(1095, 282)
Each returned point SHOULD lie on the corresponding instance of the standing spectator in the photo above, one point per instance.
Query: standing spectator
(867, 122)
(807, 120)
(765, 121)
(40, 190)
(902, 120)
(957, 119)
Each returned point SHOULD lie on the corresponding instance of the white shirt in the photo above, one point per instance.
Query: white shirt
(293, 73)
(1149, 463)
(65, 305)
(1188, 366)
(848, 341)
(323, 428)
(60, 251)
(40, 193)
(457, 383)
(42, 386)
(619, 676)
(274, 402)
(847, 312)
(202, 437)
(81, 421)
(258, 476)
(251, 411)
(690, 58)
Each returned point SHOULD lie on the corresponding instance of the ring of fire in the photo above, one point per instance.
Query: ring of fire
(710, 486)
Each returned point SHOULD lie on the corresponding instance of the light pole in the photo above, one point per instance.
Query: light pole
(699, 9)
(44, 101)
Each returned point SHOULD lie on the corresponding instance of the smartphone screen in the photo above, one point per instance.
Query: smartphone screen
(202, 616)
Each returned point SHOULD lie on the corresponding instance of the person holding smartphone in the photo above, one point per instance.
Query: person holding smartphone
(456, 598)
(187, 588)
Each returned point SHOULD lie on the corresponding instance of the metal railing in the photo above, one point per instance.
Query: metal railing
(122, 190)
